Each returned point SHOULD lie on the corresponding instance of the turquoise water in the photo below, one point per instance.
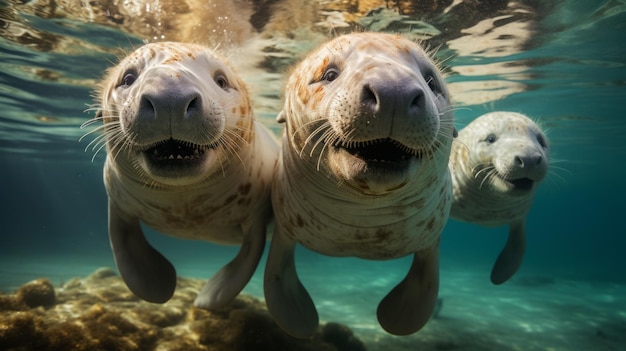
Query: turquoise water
(568, 72)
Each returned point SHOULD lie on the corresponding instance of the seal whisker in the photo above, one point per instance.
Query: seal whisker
(96, 142)
(234, 132)
(490, 174)
(232, 148)
(479, 168)
(323, 128)
(95, 130)
(317, 130)
(323, 139)
(234, 138)
(330, 138)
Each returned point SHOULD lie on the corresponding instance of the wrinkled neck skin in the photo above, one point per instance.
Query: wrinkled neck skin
(337, 219)
(476, 201)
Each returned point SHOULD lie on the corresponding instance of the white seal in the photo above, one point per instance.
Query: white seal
(363, 172)
(185, 157)
(497, 163)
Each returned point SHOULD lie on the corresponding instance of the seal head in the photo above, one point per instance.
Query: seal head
(497, 163)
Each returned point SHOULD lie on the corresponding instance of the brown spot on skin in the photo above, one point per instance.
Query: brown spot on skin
(318, 96)
(230, 199)
(243, 110)
(244, 189)
(173, 59)
(303, 93)
(299, 221)
(244, 201)
(319, 72)
(233, 110)
(431, 224)
(383, 234)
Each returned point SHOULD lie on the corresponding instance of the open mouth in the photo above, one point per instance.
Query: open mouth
(379, 153)
(175, 152)
(521, 183)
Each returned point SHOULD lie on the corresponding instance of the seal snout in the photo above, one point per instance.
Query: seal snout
(396, 103)
(400, 100)
(524, 161)
(186, 104)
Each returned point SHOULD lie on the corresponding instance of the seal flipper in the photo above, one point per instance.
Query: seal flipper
(286, 298)
(512, 255)
(407, 308)
(228, 282)
(146, 272)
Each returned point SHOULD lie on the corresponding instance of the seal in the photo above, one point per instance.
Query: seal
(185, 157)
(497, 163)
(363, 172)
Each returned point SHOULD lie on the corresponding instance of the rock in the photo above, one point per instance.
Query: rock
(342, 337)
(96, 313)
(37, 293)
(101, 273)
(17, 329)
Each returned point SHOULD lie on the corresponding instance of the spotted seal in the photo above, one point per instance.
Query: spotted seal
(363, 172)
(186, 158)
(497, 163)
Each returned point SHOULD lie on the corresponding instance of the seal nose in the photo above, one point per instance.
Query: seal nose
(392, 98)
(525, 161)
(169, 104)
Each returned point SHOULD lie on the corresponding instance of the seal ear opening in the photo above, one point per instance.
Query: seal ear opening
(281, 117)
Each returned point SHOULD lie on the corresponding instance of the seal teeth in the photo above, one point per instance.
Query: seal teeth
(177, 150)
(379, 150)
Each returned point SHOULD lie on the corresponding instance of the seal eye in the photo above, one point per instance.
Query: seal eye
(491, 138)
(542, 141)
(330, 74)
(432, 83)
(221, 81)
(128, 79)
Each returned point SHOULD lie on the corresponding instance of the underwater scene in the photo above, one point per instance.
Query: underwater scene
(493, 129)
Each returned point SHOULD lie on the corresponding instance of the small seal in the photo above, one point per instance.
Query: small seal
(497, 163)
(185, 157)
(363, 172)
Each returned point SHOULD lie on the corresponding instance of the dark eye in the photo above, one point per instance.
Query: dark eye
(330, 74)
(542, 141)
(128, 79)
(221, 81)
(432, 83)
(491, 138)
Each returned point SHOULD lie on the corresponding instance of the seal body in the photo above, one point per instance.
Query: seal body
(363, 172)
(185, 157)
(497, 163)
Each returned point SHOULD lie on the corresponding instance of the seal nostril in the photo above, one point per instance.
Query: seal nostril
(368, 97)
(146, 107)
(519, 161)
(193, 106)
(539, 160)
(417, 100)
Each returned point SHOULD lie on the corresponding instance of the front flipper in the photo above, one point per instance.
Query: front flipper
(145, 271)
(286, 298)
(228, 282)
(511, 257)
(407, 308)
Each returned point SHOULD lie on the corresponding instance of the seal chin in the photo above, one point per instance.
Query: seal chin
(176, 160)
(377, 163)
